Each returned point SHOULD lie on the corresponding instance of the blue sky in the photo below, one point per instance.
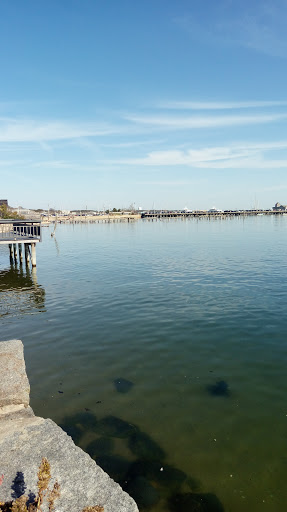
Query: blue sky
(160, 103)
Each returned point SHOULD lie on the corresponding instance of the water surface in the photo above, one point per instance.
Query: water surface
(192, 313)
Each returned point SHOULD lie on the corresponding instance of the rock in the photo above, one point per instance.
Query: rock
(143, 446)
(25, 439)
(123, 385)
(219, 389)
(193, 502)
(142, 492)
(100, 446)
(15, 387)
(115, 465)
(158, 472)
(115, 427)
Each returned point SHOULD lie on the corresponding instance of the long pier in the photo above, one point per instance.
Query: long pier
(14, 233)
(166, 214)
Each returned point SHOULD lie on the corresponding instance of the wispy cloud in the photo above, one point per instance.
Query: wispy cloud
(257, 25)
(14, 130)
(181, 123)
(171, 183)
(223, 157)
(219, 105)
(131, 144)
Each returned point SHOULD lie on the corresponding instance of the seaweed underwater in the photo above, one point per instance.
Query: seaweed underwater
(145, 475)
(220, 388)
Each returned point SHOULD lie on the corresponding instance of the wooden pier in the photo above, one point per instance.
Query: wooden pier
(166, 214)
(14, 233)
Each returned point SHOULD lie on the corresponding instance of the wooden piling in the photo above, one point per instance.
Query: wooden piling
(11, 252)
(33, 255)
(27, 255)
(15, 253)
(20, 253)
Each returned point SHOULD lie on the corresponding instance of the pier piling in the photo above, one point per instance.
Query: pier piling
(11, 252)
(20, 253)
(33, 255)
(27, 254)
(15, 253)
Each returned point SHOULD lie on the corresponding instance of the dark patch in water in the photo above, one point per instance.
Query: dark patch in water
(79, 423)
(101, 446)
(193, 483)
(73, 431)
(61, 392)
(115, 465)
(141, 490)
(158, 472)
(115, 427)
(123, 385)
(86, 419)
(219, 389)
(143, 446)
(192, 502)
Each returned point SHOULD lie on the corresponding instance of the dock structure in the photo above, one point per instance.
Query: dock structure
(14, 233)
(165, 214)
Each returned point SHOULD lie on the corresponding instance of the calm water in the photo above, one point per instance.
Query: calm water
(193, 314)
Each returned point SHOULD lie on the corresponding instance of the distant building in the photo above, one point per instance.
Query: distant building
(3, 202)
(214, 210)
(279, 207)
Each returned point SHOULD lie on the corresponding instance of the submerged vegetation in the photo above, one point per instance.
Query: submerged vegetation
(220, 388)
(145, 473)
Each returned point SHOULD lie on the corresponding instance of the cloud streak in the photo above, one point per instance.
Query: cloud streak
(182, 123)
(14, 130)
(241, 156)
(259, 26)
(219, 105)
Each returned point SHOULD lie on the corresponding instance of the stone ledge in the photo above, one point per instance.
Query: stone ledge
(14, 383)
(26, 438)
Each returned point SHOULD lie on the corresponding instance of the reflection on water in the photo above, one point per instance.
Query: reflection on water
(20, 291)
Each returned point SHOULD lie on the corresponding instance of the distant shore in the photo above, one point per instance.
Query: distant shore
(157, 214)
(80, 219)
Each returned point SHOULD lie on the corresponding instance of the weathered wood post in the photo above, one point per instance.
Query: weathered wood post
(27, 255)
(11, 252)
(20, 253)
(33, 254)
(15, 253)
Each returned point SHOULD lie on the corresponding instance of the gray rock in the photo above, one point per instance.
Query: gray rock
(25, 439)
(14, 384)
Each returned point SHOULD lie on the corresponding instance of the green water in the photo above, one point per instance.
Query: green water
(174, 307)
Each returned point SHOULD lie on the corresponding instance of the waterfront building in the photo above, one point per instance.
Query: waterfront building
(279, 207)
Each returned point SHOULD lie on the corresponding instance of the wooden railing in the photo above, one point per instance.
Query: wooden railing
(20, 230)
